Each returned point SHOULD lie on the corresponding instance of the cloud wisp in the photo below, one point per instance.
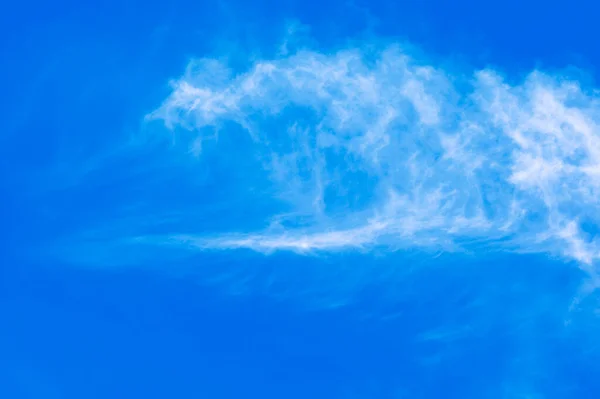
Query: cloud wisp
(369, 147)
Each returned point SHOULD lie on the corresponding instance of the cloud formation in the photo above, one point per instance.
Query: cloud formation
(369, 147)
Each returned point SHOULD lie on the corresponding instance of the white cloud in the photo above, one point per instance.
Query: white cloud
(374, 148)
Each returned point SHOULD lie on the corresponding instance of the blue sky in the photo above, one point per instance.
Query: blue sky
(299, 199)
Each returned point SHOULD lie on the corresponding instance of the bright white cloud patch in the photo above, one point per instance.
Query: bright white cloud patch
(373, 148)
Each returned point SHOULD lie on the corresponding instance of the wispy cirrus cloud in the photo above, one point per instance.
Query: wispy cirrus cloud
(368, 146)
